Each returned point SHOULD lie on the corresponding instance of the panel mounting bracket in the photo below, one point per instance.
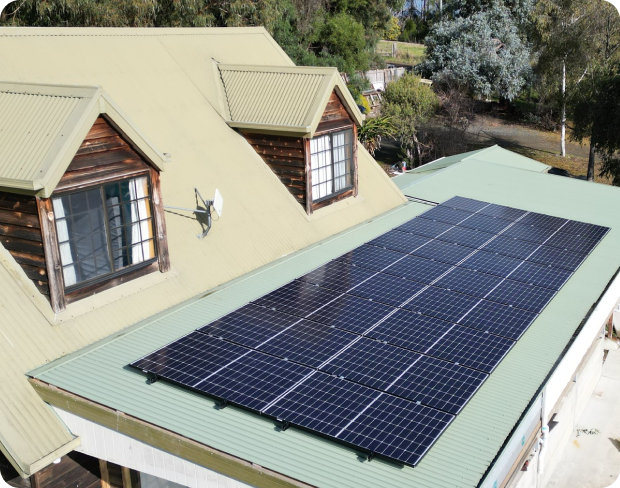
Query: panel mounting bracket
(285, 425)
(203, 214)
(371, 456)
(152, 379)
(222, 405)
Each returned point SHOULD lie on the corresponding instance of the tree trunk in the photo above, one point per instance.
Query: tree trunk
(418, 154)
(591, 161)
(563, 121)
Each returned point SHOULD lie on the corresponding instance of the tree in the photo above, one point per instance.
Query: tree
(374, 130)
(392, 32)
(483, 52)
(409, 103)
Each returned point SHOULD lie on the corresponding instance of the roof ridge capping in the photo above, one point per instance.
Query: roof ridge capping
(281, 99)
(36, 151)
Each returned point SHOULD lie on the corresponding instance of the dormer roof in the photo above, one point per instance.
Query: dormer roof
(42, 127)
(281, 99)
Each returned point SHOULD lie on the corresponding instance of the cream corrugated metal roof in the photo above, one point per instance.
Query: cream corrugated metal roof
(166, 83)
(42, 127)
(284, 98)
(462, 455)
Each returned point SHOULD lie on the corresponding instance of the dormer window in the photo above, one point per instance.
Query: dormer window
(104, 231)
(331, 157)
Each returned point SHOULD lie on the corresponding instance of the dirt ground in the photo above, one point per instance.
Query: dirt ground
(540, 145)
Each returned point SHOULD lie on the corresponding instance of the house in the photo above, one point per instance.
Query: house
(109, 139)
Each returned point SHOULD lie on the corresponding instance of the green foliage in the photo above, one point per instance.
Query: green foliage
(392, 32)
(363, 101)
(414, 30)
(374, 130)
(483, 52)
(409, 103)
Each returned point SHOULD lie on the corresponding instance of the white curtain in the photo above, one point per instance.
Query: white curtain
(66, 256)
(141, 228)
(321, 164)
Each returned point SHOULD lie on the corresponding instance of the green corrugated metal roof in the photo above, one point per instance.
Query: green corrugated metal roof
(287, 99)
(464, 452)
(492, 154)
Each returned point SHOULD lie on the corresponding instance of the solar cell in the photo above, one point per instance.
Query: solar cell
(386, 289)
(485, 223)
(249, 325)
(446, 252)
(438, 384)
(410, 330)
(308, 343)
(446, 214)
(467, 204)
(424, 227)
(540, 275)
(501, 212)
(544, 221)
(337, 276)
(370, 257)
(469, 282)
(499, 319)
(509, 246)
(399, 241)
(558, 258)
(492, 263)
(351, 313)
(522, 295)
(442, 304)
(466, 237)
(571, 242)
(529, 233)
(582, 229)
(472, 348)
(297, 298)
(371, 363)
(418, 269)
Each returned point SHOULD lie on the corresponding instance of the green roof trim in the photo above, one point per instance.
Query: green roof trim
(470, 443)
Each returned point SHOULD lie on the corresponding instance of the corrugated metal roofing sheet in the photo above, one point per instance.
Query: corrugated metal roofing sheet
(290, 99)
(165, 82)
(462, 455)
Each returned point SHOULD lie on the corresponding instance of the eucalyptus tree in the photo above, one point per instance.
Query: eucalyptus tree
(483, 51)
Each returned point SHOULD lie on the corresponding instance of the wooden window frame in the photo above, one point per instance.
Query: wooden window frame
(341, 195)
(82, 180)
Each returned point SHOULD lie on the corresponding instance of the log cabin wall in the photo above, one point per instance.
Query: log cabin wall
(20, 234)
(335, 116)
(285, 157)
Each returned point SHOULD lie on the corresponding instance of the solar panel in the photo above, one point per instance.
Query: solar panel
(370, 257)
(446, 252)
(377, 422)
(351, 313)
(499, 319)
(386, 289)
(485, 223)
(424, 227)
(522, 295)
(249, 325)
(337, 276)
(399, 241)
(469, 282)
(382, 346)
(438, 384)
(472, 348)
(466, 237)
(418, 269)
(297, 298)
(442, 304)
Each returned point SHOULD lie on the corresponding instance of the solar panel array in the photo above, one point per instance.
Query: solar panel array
(383, 346)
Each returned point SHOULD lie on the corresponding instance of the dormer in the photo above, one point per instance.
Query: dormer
(80, 199)
(302, 121)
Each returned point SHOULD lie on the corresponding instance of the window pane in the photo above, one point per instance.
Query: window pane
(331, 162)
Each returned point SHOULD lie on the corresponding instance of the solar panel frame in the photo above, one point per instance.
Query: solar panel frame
(424, 227)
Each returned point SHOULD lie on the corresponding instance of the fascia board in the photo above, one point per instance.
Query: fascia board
(76, 91)
(291, 130)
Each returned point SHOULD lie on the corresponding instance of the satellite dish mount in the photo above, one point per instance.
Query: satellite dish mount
(203, 214)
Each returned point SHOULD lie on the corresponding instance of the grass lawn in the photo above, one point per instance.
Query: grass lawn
(408, 52)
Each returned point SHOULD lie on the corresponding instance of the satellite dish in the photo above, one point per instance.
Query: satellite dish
(218, 202)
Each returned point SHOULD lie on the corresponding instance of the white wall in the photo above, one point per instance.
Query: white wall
(112, 446)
